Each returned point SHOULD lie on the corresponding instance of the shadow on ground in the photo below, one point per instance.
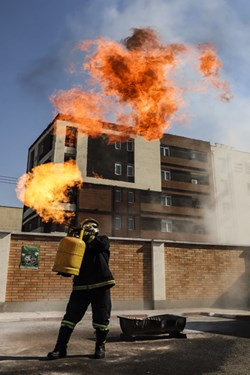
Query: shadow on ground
(228, 327)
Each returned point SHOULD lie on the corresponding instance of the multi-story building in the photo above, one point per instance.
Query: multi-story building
(231, 169)
(159, 189)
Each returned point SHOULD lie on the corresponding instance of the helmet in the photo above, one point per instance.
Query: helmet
(90, 225)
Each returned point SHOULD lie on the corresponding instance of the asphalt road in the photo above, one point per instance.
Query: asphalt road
(212, 346)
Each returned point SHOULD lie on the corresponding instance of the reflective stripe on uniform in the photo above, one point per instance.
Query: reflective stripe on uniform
(67, 323)
(101, 327)
(94, 286)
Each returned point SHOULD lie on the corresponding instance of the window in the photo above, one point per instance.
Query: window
(166, 226)
(131, 197)
(118, 195)
(199, 229)
(166, 200)
(193, 155)
(238, 167)
(32, 159)
(118, 145)
(196, 203)
(40, 148)
(166, 175)
(194, 181)
(165, 151)
(130, 145)
(118, 169)
(71, 136)
(131, 223)
(130, 170)
(117, 222)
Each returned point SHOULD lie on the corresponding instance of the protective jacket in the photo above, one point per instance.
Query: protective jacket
(94, 271)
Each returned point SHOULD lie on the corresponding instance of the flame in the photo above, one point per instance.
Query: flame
(45, 189)
(96, 175)
(135, 83)
(210, 66)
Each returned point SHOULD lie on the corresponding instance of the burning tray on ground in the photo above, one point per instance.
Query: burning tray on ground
(135, 325)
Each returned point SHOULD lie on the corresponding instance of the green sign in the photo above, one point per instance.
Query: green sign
(29, 256)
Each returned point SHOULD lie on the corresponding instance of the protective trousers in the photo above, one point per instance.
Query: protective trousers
(100, 302)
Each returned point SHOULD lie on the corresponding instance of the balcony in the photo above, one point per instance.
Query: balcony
(173, 210)
(176, 236)
(186, 186)
(187, 163)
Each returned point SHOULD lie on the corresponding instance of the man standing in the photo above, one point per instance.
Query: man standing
(90, 287)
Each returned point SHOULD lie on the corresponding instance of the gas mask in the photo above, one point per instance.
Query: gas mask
(90, 229)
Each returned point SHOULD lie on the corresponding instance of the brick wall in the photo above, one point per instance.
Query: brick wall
(130, 264)
(194, 275)
(26, 285)
(219, 274)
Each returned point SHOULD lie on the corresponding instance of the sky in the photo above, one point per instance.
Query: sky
(38, 39)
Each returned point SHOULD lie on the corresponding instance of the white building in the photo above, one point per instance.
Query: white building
(231, 169)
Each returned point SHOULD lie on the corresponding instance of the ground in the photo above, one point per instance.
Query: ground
(213, 345)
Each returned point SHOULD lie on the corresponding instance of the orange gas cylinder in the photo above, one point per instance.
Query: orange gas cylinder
(70, 255)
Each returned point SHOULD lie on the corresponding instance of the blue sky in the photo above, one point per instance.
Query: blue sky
(37, 45)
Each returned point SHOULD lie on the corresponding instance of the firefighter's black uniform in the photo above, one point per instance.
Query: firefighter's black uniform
(90, 287)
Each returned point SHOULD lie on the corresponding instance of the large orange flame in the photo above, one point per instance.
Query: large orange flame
(136, 84)
(45, 189)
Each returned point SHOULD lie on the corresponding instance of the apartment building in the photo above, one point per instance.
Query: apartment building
(159, 189)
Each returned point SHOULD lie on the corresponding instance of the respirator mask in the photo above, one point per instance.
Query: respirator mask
(90, 227)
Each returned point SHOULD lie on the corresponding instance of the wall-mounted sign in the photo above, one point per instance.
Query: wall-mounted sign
(30, 256)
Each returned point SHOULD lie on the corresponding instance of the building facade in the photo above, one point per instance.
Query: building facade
(231, 169)
(159, 189)
(10, 218)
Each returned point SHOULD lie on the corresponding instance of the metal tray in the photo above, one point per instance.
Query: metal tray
(134, 325)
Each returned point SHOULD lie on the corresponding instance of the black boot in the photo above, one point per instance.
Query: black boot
(100, 344)
(60, 350)
(99, 351)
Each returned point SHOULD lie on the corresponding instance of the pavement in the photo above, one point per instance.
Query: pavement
(214, 342)
(47, 315)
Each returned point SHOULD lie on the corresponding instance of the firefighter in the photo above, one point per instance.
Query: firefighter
(90, 287)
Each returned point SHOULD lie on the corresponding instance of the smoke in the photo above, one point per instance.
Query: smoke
(142, 39)
(51, 69)
(38, 77)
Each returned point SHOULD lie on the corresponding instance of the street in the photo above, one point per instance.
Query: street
(213, 345)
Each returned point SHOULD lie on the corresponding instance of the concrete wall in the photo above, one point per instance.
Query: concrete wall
(10, 218)
(4, 263)
(149, 274)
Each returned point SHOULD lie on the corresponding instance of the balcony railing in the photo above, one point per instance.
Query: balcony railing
(158, 208)
(188, 186)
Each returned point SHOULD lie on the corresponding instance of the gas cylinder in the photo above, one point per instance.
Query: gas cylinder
(69, 255)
